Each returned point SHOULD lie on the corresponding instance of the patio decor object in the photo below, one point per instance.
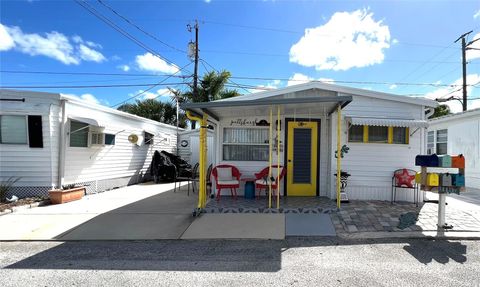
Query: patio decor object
(343, 186)
(404, 178)
(58, 196)
(226, 176)
(263, 179)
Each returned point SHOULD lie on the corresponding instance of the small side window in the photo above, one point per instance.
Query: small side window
(355, 133)
(13, 129)
(148, 139)
(109, 139)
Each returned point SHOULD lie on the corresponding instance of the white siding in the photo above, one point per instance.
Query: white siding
(371, 165)
(37, 167)
(121, 160)
(464, 138)
(190, 153)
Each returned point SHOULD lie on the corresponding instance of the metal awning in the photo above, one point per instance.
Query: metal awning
(89, 121)
(386, 122)
(307, 105)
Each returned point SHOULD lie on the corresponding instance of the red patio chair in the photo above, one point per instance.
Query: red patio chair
(226, 176)
(404, 178)
(262, 181)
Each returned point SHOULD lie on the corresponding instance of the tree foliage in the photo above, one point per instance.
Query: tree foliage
(155, 110)
(441, 110)
(212, 87)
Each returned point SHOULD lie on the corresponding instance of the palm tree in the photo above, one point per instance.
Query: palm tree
(155, 110)
(212, 87)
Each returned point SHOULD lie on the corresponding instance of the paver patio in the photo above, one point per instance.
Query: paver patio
(363, 216)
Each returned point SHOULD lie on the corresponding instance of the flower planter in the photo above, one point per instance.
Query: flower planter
(61, 196)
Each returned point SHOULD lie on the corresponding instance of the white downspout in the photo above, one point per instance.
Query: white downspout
(62, 144)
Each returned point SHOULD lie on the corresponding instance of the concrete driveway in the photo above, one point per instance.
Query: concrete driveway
(144, 211)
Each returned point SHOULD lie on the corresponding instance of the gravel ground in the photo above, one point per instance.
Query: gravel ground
(290, 262)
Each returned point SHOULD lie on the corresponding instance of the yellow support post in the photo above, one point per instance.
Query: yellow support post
(278, 157)
(339, 161)
(202, 194)
(270, 161)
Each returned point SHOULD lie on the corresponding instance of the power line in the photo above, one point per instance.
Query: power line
(228, 79)
(86, 86)
(302, 32)
(110, 23)
(348, 82)
(139, 28)
(425, 62)
(153, 86)
(90, 74)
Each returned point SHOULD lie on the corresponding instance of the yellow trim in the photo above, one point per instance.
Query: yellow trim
(365, 134)
(390, 135)
(278, 157)
(270, 159)
(339, 161)
(407, 135)
(302, 189)
(202, 194)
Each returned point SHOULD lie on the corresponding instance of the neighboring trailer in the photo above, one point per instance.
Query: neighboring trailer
(458, 134)
(49, 140)
(188, 146)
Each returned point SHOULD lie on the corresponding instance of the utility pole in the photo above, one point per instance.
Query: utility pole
(465, 47)
(194, 54)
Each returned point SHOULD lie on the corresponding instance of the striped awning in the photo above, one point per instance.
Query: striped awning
(387, 122)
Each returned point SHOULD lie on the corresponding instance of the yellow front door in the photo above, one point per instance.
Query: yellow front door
(302, 158)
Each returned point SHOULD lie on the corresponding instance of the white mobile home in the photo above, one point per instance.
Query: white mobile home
(49, 140)
(458, 134)
(188, 145)
(383, 131)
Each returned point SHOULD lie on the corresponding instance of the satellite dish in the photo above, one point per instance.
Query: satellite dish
(133, 138)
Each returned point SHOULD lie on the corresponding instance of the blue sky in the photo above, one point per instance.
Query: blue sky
(392, 46)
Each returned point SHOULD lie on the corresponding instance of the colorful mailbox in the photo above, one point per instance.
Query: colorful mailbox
(458, 180)
(427, 160)
(418, 177)
(433, 179)
(444, 161)
(458, 161)
(446, 180)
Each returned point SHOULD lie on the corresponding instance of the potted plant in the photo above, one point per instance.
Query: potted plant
(67, 193)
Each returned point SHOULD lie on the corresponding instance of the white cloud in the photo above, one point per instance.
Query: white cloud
(6, 42)
(89, 98)
(152, 63)
(473, 53)
(53, 45)
(392, 87)
(124, 68)
(275, 84)
(346, 41)
(457, 92)
(160, 94)
(89, 54)
(299, 78)
(476, 15)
